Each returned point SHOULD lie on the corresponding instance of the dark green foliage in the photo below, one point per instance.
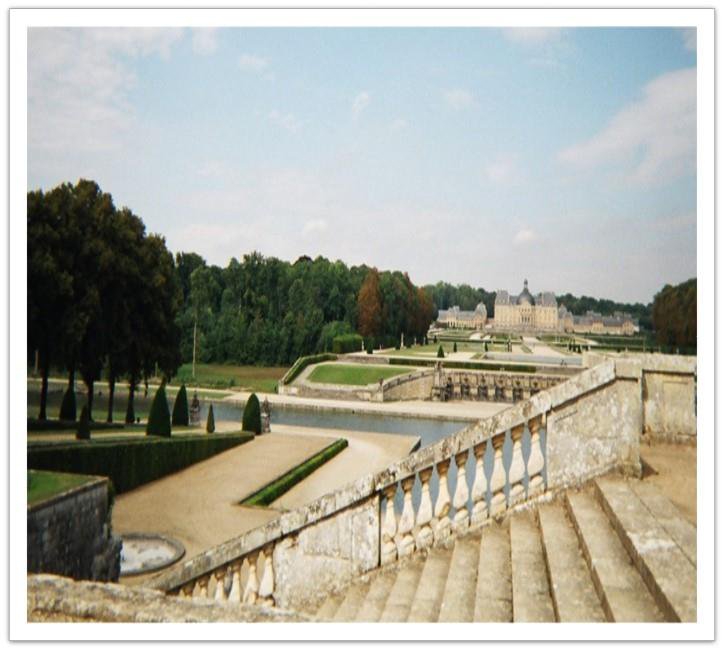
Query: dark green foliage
(434, 339)
(210, 423)
(159, 419)
(130, 413)
(482, 366)
(251, 419)
(302, 363)
(674, 315)
(440, 352)
(180, 408)
(455, 346)
(130, 462)
(350, 343)
(35, 425)
(278, 487)
(370, 346)
(83, 431)
(67, 407)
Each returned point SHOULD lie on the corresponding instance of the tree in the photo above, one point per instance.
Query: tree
(180, 408)
(210, 424)
(369, 306)
(68, 407)
(82, 433)
(251, 419)
(455, 346)
(674, 315)
(159, 419)
(440, 352)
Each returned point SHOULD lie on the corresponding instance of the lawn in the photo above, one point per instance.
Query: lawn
(428, 350)
(351, 374)
(43, 485)
(221, 376)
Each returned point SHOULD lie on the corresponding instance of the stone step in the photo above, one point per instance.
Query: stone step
(667, 571)
(494, 591)
(458, 601)
(374, 602)
(669, 517)
(623, 593)
(428, 596)
(353, 600)
(572, 589)
(329, 607)
(399, 602)
(531, 595)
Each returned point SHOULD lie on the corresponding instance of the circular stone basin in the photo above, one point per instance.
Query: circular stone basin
(145, 552)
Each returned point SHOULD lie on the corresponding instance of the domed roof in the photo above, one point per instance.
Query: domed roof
(525, 297)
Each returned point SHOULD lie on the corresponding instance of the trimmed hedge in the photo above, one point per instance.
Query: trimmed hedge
(302, 363)
(130, 462)
(351, 343)
(270, 492)
(159, 420)
(180, 408)
(68, 407)
(210, 422)
(473, 366)
(36, 425)
(251, 418)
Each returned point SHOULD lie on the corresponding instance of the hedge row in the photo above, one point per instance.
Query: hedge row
(51, 425)
(130, 462)
(351, 343)
(302, 363)
(270, 492)
(474, 366)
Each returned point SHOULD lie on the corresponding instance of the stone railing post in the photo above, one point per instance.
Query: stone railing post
(516, 472)
(219, 591)
(405, 540)
(424, 536)
(235, 591)
(480, 487)
(497, 479)
(266, 586)
(251, 590)
(388, 548)
(461, 521)
(442, 504)
(536, 460)
(203, 586)
(187, 590)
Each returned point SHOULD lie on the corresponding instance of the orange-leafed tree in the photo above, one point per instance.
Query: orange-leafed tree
(369, 306)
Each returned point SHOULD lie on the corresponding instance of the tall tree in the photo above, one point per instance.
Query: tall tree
(369, 306)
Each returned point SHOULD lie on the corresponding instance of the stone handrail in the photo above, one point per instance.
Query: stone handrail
(586, 426)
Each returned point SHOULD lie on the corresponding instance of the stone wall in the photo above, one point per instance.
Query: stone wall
(70, 534)
(415, 386)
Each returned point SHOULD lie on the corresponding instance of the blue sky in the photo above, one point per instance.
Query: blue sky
(481, 155)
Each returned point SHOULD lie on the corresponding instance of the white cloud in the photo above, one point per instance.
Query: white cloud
(524, 236)
(204, 40)
(314, 227)
(253, 63)
(459, 99)
(399, 124)
(501, 170)
(287, 121)
(361, 102)
(532, 35)
(655, 136)
(79, 84)
(689, 36)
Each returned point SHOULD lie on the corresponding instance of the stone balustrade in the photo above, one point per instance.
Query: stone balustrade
(560, 437)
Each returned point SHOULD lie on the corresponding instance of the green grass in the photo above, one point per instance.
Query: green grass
(276, 488)
(44, 485)
(351, 374)
(223, 376)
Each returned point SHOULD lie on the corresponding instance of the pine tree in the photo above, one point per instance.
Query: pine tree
(181, 408)
(83, 431)
(455, 346)
(440, 352)
(251, 420)
(67, 407)
(159, 419)
(210, 424)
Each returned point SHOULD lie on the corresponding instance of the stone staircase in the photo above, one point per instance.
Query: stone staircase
(615, 551)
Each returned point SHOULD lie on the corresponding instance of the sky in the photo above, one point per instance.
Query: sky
(468, 155)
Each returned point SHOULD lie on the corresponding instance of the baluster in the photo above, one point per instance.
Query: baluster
(424, 513)
(219, 592)
(235, 592)
(536, 460)
(388, 549)
(497, 479)
(187, 590)
(203, 585)
(442, 505)
(480, 487)
(404, 539)
(516, 472)
(266, 587)
(252, 584)
(461, 521)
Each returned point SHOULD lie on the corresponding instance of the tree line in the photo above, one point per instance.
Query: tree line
(102, 293)
(674, 315)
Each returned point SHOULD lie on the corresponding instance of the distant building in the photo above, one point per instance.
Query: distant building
(621, 323)
(457, 318)
(526, 312)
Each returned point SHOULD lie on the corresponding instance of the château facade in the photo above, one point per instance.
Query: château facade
(526, 312)
(457, 318)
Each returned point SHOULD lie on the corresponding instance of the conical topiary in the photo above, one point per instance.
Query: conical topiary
(180, 408)
(67, 407)
(83, 431)
(455, 346)
(159, 418)
(440, 352)
(251, 420)
(210, 424)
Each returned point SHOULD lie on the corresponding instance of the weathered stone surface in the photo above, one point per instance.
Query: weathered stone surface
(458, 602)
(374, 604)
(494, 590)
(399, 601)
(669, 405)
(574, 596)
(59, 599)
(428, 596)
(352, 602)
(623, 593)
(667, 571)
